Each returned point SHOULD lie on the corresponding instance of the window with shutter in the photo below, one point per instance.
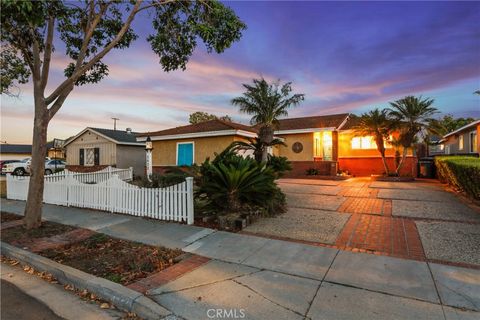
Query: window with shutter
(96, 156)
(82, 157)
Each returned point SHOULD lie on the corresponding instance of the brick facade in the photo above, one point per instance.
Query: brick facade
(325, 168)
(373, 165)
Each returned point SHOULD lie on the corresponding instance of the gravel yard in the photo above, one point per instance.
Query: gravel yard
(434, 210)
(310, 201)
(450, 241)
(303, 224)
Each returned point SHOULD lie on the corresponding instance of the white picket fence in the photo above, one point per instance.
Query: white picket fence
(92, 177)
(174, 203)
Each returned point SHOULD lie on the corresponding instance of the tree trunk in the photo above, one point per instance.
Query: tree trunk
(402, 161)
(381, 148)
(33, 208)
(265, 136)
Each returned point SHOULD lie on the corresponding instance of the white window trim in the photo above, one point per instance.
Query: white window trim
(193, 151)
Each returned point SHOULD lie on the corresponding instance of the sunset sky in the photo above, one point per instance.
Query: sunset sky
(345, 56)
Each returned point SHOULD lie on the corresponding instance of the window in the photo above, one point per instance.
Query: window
(89, 156)
(185, 152)
(363, 143)
(460, 142)
(473, 142)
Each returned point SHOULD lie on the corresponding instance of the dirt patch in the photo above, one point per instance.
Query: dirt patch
(20, 234)
(116, 260)
(5, 217)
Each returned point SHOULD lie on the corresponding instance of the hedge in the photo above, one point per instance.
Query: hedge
(462, 172)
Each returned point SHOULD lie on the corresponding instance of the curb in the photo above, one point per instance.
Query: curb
(122, 297)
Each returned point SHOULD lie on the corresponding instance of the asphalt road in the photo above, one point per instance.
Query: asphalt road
(16, 305)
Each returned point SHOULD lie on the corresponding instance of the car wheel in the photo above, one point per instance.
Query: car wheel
(19, 172)
(48, 171)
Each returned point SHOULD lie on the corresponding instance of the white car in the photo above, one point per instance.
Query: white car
(52, 166)
(19, 168)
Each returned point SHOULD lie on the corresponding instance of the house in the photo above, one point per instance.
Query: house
(55, 149)
(15, 151)
(329, 144)
(465, 140)
(95, 148)
(326, 143)
(194, 143)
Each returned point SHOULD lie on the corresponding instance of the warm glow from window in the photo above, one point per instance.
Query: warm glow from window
(460, 142)
(363, 143)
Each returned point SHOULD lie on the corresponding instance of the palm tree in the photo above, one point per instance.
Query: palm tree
(411, 115)
(477, 92)
(377, 124)
(267, 103)
(256, 146)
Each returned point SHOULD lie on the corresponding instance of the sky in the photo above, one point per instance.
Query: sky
(344, 56)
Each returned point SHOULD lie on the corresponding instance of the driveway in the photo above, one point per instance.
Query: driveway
(416, 220)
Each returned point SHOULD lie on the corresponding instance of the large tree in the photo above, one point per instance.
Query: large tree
(199, 116)
(89, 30)
(376, 123)
(267, 103)
(410, 115)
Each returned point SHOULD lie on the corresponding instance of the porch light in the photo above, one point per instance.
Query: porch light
(148, 144)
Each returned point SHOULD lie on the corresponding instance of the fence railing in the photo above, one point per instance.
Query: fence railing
(92, 177)
(174, 203)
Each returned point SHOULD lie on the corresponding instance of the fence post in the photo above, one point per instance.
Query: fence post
(189, 181)
(130, 173)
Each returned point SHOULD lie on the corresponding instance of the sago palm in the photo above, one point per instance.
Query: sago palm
(377, 124)
(256, 146)
(267, 103)
(411, 115)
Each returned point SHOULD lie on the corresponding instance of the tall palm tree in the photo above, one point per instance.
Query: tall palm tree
(377, 124)
(267, 103)
(411, 115)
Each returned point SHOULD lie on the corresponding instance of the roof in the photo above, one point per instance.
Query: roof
(116, 136)
(16, 148)
(471, 124)
(210, 126)
(316, 122)
(352, 122)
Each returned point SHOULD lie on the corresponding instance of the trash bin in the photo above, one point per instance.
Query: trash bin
(426, 168)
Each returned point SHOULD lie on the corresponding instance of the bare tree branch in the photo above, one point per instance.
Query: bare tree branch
(81, 70)
(47, 56)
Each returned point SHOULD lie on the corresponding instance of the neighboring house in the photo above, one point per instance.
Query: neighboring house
(194, 143)
(436, 146)
(95, 148)
(15, 151)
(465, 140)
(325, 143)
(56, 150)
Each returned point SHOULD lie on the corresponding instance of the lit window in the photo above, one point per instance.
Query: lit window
(473, 141)
(363, 143)
(460, 142)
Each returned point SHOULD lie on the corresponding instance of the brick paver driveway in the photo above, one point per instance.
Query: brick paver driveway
(416, 220)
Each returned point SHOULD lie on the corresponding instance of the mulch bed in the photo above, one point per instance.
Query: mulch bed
(5, 217)
(47, 229)
(116, 260)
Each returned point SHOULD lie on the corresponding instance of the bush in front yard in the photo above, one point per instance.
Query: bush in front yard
(462, 172)
(233, 184)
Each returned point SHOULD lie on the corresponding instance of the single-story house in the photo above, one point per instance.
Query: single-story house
(95, 148)
(194, 143)
(15, 151)
(465, 140)
(325, 143)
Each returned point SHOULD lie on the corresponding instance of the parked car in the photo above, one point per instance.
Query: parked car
(4, 162)
(53, 166)
(19, 168)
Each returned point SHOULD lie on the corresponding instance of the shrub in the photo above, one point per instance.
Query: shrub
(279, 165)
(462, 172)
(233, 184)
(312, 172)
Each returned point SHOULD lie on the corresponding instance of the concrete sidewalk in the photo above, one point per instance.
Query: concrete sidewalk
(272, 279)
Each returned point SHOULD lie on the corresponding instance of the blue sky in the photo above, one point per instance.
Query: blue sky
(345, 56)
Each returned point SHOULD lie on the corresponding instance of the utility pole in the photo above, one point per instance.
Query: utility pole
(115, 123)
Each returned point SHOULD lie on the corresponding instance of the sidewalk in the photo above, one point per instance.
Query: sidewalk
(272, 279)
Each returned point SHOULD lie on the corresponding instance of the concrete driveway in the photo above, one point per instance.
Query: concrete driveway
(416, 220)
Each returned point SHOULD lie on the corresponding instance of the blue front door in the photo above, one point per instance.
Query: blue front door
(185, 154)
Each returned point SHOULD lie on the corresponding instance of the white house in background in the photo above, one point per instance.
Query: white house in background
(95, 148)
